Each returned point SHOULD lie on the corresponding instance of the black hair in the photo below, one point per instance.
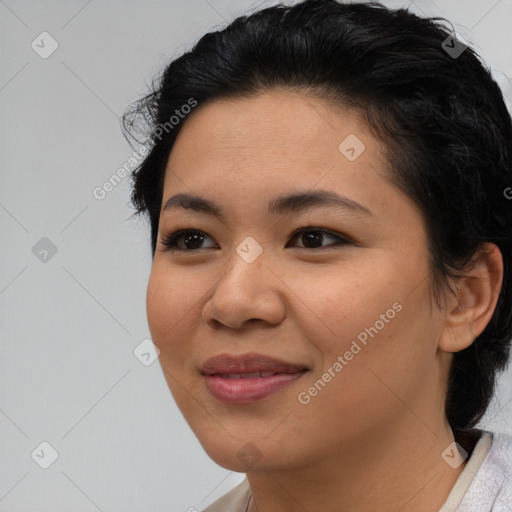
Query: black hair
(440, 115)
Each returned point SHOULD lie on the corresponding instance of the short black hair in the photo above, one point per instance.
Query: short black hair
(440, 115)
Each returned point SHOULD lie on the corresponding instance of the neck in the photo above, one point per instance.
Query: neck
(397, 469)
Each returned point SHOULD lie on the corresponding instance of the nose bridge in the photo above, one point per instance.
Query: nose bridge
(246, 290)
(250, 250)
(246, 266)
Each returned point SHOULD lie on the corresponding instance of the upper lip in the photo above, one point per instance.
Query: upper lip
(248, 363)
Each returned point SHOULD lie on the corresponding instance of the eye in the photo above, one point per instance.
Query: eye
(312, 237)
(190, 240)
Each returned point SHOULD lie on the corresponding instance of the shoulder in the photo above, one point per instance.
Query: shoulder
(234, 500)
(491, 489)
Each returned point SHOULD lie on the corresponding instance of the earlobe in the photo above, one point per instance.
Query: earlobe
(470, 309)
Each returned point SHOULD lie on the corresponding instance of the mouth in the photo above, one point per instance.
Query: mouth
(237, 380)
(252, 375)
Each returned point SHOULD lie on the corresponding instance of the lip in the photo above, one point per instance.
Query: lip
(248, 363)
(263, 376)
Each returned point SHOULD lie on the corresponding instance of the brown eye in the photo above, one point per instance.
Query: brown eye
(185, 240)
(313, 238)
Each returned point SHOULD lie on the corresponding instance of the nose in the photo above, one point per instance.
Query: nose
(245, 293)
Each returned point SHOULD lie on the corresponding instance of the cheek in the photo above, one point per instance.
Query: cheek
(169, 302)
(387, 351)
(160, 305)
(170, 314)
(343, 303)
(373, 322)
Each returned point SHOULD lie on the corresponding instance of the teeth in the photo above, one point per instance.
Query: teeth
(252, 375)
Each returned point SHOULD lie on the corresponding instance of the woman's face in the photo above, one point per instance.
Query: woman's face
(346, 304)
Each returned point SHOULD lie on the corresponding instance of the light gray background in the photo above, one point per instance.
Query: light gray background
(68, 375)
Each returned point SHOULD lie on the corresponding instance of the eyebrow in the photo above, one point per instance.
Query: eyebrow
(281, 205)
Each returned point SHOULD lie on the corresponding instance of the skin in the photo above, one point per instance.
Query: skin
(372, 438)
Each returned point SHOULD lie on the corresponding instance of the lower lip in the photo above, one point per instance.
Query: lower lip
(250, 390)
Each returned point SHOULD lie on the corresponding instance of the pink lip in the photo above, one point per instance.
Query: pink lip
(247, 390)
(218, 374)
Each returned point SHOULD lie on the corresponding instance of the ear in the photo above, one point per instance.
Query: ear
(469, 310)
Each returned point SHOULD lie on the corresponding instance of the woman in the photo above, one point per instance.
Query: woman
(331, 289)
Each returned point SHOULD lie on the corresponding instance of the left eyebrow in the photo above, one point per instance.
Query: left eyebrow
(281, 205)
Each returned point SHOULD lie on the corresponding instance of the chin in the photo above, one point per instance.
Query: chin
(245, 453)
(239, 456)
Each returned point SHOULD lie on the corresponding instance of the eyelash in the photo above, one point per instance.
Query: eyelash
(171, 241)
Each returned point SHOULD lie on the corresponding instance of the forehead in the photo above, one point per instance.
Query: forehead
(276, 130)
(238, 150)
(278, 118)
